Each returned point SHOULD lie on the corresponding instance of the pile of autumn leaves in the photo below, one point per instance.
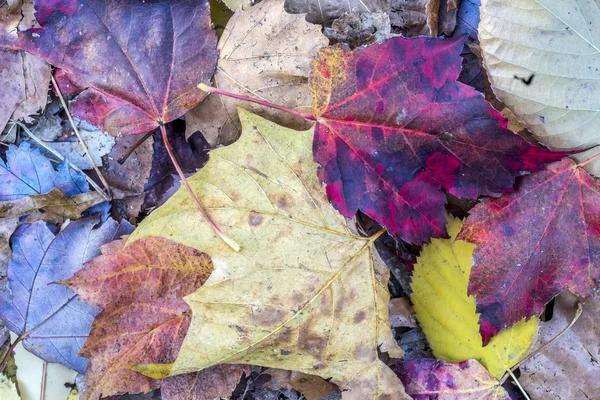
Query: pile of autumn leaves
(394, 134)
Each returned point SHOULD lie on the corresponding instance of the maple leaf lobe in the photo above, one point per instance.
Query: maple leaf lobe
(524, 259)
(396, 130)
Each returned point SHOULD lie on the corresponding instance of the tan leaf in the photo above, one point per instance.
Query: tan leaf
(401, 313)
(311, 386)
(569, 368)
(264, 53)
(303, 294)
(543, 61)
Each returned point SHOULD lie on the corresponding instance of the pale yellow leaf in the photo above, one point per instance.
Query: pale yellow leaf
(303, 294)
(557, 45)
(447, 315)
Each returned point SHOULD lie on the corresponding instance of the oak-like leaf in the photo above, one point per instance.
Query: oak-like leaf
(52, 320)
(143, 318)
(140, 62)
(395, 130)
(303, 293)
(533, 244)
(435, 379)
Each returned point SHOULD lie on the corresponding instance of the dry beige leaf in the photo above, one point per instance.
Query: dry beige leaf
(401, 313)
(264, 53)
(331, 321)
(325, 11)
(311, 386)
(543, 61)
(569, 368)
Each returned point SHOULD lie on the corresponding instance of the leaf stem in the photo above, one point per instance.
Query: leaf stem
(44, 378)
(85, 149)
(211, 89)
(10, 350)
(184, 180)
(518, 384)
(589, 160)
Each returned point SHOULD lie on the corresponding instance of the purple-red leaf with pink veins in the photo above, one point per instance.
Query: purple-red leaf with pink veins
(134, 79)
(395, 131)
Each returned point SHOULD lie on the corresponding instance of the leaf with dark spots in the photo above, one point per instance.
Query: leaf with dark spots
(27, 172)
(135, 79)
(139, 288)
(435, 379)
(395, 130)
(51, 320)
(533, 244)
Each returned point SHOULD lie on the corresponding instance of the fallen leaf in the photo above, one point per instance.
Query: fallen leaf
(52, 321)
(53, 206)
(7, 227)
(8, 390)
(143, 318)
(524, 259)
(135, 79)
(435, 379)
(214, 383)
(542, 58)
(401, 313)
(357, 29)
(567, 368)
(233, 5)
(325, 11)
(395, 131)
(447, 315)
(312, 387)
(334, 318)
(24, 77)
(27, 172)
(97, 142)
(260, 55)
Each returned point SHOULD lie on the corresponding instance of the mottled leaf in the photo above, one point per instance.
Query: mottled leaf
(136, 78)
(312, 387)
(325, 11)
(331, 322)
(447, 314)
(395, 130)
(27, 172)
(52, 320)
(533, 244)
(213, 383)
(143, 318)
(435, 379)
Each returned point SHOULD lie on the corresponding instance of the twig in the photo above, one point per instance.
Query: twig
(44, 376)
(85, 149)
(133, 147)
(518, 384)
(184, 180)
(61, 158)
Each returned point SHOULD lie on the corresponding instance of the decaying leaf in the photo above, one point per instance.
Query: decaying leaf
(447, 315)
(264, 53)
(401, 313)
(435, 379)
(27, 172)
(53, 206)
(52, 320)
(325, 11)
(533, 244)
(395, 130)
(8, 390)
(312, 387)
(331, 321)
(140, 289)
(357, 29)
(214, 383)
(568, 368)
(137, 78)
(7, 227)
(543, 60)
(97, 142)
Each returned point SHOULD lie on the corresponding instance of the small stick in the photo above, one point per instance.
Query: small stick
(61, 158)
(518, 384)
(44, 376)
(211, 89)
(133, 147)
(85, 149)
(184, 180)
(10, 350)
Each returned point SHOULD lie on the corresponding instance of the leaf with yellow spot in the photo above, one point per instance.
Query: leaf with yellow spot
(447, 315)
(303, 294)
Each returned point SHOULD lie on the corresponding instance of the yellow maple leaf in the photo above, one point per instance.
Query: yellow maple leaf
(447, 314)
(303, 294)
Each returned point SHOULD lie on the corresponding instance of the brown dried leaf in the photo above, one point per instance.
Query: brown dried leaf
(264, 53)
(213, 383)
(401, 313)
(311, 386)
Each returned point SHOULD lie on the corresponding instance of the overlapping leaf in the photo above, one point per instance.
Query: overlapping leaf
(331, 321)
(434, 379)
(52, 320)
(136, 78)
(143, 318)
(533, 244)
(395, 130)
(447, 314)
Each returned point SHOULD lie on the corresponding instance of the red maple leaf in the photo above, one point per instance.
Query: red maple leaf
(395, 130)
(533, 244)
